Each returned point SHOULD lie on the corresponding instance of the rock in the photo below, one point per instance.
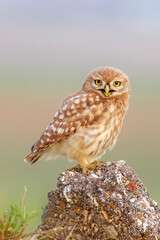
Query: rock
(109, 202)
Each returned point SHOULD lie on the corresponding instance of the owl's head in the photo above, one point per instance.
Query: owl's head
(108, 82)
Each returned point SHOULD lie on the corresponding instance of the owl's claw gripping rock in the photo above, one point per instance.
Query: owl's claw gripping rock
(95, 164)
(92, 166)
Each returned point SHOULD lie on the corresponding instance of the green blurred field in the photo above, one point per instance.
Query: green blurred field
(46, 52)
(25, 115)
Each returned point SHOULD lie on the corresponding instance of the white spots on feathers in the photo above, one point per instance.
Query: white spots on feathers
(61, 116)
(66, 130)
(65, 107)
(85, 112)
(97, 98)
(78, 96)
(90, 99)
(84, 105)
(72, 106)
(72, 129)
(72, 98)
(74, 111)
(56, 114)
(68, 113)
(56, 122)
(48, 134)
(60, 130)
(77, 101)
(84, 99)
(54, 129)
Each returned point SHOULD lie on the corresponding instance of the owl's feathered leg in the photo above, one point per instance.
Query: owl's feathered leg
(83, 164)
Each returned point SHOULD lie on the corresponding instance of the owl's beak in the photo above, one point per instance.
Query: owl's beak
(107, 90)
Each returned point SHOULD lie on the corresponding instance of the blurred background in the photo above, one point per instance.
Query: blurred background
(46, 50)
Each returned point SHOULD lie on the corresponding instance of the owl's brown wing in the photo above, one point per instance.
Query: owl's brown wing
(78, 110)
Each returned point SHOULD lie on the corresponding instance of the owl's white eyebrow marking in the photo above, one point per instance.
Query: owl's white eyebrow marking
(60, 131)
(97, 76)
(77, 101)
(65, 107)
(61, 116)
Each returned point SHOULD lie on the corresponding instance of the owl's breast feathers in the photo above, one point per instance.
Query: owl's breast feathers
(102, 135)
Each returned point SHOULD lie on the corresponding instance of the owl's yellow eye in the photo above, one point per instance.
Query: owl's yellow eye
(117, 83)
(98, 82)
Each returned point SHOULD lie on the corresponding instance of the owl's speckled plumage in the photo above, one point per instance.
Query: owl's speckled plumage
(88, 122)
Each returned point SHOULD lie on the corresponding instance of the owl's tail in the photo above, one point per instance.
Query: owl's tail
(32, 157)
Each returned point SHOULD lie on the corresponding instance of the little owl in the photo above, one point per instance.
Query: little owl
(88, 122)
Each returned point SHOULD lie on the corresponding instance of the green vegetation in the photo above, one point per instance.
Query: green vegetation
(14, 222)
(12, 225)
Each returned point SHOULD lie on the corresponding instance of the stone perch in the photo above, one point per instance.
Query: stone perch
(109, 202)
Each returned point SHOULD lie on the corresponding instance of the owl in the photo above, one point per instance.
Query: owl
(87, 122)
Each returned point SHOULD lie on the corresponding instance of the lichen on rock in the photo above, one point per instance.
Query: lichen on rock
(109, 202)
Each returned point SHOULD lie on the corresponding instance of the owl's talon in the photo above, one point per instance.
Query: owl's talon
(95, 164)
(91, 166)
(85, 170)
(78, 166)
